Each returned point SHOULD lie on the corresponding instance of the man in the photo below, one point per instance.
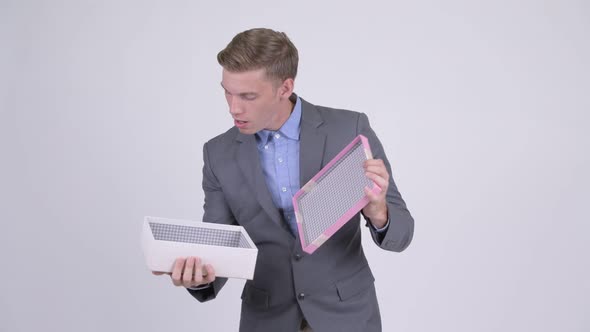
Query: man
(251, 172)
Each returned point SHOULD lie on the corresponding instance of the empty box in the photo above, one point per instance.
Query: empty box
(227, 248)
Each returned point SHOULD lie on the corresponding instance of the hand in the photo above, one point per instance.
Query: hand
(376, 210)
(189, 272)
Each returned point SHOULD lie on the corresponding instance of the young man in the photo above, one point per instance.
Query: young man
(251, 172)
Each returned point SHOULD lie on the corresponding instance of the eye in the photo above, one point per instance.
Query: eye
(249, 97)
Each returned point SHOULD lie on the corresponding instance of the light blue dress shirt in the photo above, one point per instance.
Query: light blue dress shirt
(279, 158)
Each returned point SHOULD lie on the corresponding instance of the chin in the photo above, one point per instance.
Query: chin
(247, 131)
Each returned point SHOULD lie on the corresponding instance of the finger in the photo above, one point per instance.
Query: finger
(198, 273)
(158, 273)
(379, 170)
(371, 195)
(177, 272)
(380, 181)
(373, 162)
(188, 272)
(210, 274)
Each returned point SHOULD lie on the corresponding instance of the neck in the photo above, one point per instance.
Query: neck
(283, 114)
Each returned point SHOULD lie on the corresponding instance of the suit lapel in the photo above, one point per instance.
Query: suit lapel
(311, 151)
(311, 144)
(249, 162)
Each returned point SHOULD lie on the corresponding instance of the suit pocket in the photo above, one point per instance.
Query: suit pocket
(255, 297)
(355, 284)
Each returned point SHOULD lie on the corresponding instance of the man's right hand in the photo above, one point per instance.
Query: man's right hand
(188, 272)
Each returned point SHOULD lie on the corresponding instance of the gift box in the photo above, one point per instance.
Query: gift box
(227, 248)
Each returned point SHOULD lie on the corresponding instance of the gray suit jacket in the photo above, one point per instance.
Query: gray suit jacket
(333, 288)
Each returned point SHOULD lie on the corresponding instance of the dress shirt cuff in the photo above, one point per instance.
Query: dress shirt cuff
(382, 229)
(201, 287)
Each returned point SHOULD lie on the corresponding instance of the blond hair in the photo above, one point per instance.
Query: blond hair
(261, 48)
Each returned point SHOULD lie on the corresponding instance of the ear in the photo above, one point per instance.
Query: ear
(286, 88)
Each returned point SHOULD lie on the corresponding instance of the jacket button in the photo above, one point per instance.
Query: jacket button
(297, 257)
(301, 296)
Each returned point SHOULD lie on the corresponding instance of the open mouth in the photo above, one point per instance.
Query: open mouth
(240, 123)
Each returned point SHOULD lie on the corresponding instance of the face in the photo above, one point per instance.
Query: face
(254, 101)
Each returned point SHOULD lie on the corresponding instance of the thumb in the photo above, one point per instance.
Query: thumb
(370, 195)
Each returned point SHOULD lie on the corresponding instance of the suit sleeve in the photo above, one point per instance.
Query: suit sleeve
(216, 210)
(400, 231)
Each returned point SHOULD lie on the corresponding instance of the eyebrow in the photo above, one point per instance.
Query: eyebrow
(243, 94)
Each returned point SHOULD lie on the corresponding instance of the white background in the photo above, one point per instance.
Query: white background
(482, 107)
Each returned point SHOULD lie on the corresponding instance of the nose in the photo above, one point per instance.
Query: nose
(234, 106)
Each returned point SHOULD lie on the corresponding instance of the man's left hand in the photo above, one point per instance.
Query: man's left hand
(376, 210)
